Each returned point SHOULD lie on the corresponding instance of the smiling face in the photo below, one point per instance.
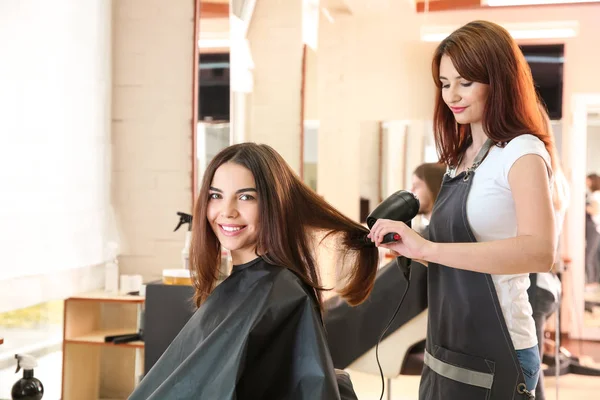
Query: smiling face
(466, 99)
(232, 211)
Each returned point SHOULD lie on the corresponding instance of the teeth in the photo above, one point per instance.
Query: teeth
(231, 228)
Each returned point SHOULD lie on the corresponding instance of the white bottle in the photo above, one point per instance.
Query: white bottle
(185, 253)
(111, 272)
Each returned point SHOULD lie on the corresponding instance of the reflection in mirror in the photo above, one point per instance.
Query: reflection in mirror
(310, 153)
(404, 146)
(393, 156)
(212, 137)
(592, 221)
(213, 130)
(369, 166)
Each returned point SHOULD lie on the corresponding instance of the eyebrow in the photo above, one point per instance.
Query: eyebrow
(444, 78)
(237, 191)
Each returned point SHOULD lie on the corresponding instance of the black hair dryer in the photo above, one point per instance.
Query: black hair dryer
(400, 206)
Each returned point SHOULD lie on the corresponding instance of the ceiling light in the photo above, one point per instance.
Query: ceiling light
(534, 30)
(505, 3)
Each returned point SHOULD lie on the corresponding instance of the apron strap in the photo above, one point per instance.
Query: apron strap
(483, 152)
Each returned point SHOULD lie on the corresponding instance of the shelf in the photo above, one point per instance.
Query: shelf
(108, 297)
(97, 338)
(92, 368)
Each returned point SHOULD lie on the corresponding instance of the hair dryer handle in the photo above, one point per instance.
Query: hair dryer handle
(393, 236)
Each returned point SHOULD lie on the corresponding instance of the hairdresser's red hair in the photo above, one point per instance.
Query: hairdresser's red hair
(485, 52)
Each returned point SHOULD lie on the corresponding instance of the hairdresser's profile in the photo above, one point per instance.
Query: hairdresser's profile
(492, 223)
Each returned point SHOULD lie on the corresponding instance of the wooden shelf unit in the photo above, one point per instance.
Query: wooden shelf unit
(93, 369)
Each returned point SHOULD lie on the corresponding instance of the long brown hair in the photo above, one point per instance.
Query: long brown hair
(484, 52)
(289, 213)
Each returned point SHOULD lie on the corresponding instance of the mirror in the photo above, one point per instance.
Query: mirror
(310, 153)
(582, 218)
(591, 314)
(213, 127)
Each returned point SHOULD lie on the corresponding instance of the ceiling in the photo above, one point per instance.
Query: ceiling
(453, 5)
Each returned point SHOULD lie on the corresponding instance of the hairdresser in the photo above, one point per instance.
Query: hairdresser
(492, 224)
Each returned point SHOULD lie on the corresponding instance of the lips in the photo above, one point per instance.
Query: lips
(231, 230)
(458, 110)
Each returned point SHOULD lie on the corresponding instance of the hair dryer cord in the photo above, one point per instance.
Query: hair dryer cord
(383, 333)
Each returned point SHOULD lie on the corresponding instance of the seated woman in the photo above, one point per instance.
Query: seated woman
(259, 334)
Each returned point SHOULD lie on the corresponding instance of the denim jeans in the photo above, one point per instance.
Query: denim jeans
(530, 364)
(544, 305)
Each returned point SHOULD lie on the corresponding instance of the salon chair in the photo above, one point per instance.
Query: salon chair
(168, 309)
(353, 332)
(400, 353)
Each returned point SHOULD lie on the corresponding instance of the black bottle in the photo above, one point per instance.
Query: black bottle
(28, 387)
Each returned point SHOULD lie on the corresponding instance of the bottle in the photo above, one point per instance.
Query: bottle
(185, 252)
(28, 387)
(111, 272)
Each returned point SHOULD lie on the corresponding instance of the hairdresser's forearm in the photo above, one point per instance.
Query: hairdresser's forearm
(522, 254)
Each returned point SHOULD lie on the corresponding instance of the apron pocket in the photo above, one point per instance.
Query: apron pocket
(452, 375)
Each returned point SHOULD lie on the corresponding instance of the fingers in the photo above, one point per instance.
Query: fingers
(384, 226)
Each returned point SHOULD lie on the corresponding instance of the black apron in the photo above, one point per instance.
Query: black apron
(469, 352)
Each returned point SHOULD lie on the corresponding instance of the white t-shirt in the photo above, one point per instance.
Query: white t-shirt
(492, 216)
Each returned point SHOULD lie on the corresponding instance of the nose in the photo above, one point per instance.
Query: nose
(228, 209)
(452, 95)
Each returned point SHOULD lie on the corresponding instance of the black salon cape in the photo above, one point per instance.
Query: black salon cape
(259, 335)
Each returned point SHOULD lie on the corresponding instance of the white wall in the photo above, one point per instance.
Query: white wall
(273, 107)
(54, 147)
(151, 130)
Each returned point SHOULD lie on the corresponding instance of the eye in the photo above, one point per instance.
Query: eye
(467, 84)
(445, 86)
(214, 196)
(246, 197)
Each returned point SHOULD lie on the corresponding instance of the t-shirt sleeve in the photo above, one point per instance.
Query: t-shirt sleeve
(522, 146)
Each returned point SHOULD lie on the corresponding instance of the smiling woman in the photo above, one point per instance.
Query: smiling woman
(259, 333)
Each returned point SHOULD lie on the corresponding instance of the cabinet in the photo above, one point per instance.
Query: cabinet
(93, 369)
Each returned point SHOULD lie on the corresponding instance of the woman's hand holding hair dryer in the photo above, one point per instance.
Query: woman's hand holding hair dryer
(411, 244)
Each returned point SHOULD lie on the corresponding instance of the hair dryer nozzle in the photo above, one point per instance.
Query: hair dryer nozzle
(400, 206)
